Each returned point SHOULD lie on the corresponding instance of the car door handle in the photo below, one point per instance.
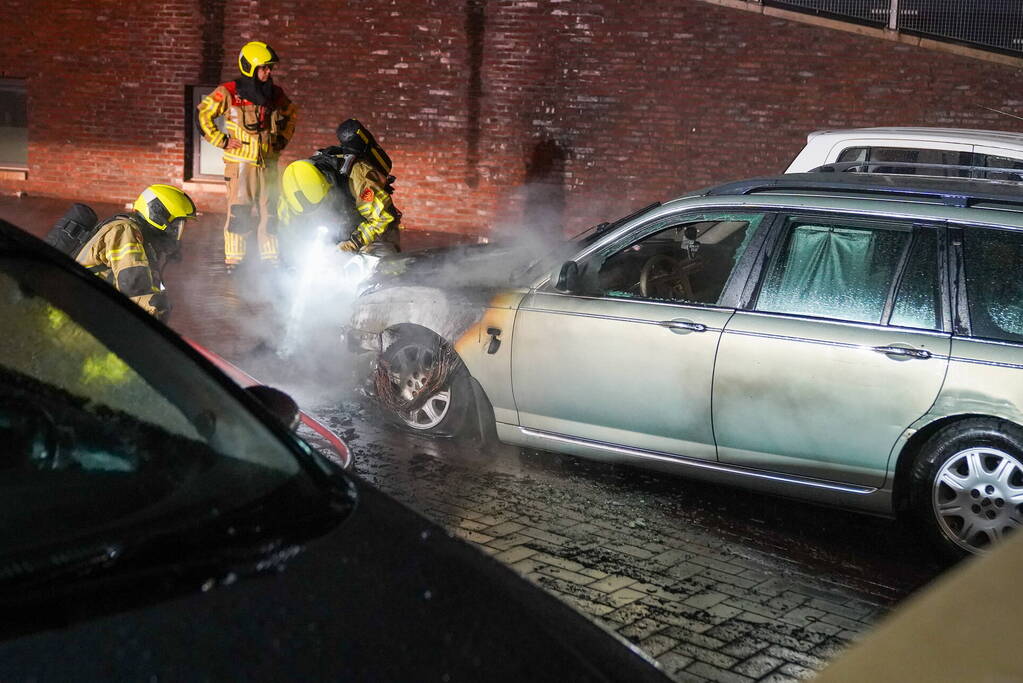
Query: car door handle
(903, 352)
(679, 326)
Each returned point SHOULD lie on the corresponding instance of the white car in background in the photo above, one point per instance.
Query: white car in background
(874, 150)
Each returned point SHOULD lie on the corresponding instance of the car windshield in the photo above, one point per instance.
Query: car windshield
(107, 423)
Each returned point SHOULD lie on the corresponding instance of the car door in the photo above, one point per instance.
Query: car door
(986, 366)
(627, 359)
(842, 348)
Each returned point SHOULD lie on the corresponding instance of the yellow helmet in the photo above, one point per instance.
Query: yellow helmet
(166, 208)
(303, 186)
(255, 54)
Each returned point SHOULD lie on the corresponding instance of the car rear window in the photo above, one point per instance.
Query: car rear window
(918, 303)
(993, 263)
(834, 271)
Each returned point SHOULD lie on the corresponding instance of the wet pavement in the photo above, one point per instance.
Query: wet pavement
(715, 583)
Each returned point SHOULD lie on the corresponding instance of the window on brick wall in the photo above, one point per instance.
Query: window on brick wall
(206, 162)
(13, 124)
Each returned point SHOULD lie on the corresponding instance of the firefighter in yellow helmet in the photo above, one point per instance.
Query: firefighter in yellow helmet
(348, 188)
(259, 122)
(130, 250)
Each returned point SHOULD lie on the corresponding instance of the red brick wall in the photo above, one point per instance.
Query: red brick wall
(494, 112)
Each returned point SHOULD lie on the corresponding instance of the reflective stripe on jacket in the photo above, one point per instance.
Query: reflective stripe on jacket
(263, 131)
(118, 254)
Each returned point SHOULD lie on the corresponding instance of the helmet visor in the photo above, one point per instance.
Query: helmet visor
(176, 228)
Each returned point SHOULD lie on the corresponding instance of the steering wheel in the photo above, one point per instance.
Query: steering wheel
(664, 277)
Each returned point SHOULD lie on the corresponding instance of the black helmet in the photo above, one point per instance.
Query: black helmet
(356, 139)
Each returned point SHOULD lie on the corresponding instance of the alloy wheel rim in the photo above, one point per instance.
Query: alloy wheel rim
(977, 497)
(414, 363)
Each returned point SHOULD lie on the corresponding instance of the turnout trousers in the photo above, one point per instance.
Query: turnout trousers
(251, 202)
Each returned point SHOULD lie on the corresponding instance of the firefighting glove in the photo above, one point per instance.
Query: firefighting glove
(348, 245)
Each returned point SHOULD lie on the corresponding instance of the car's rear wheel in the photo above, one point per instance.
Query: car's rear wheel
(967, 485)
(423, 384)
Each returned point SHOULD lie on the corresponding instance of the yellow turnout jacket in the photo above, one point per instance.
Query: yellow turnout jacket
(263, 130)
(118, 254)
(380, 218)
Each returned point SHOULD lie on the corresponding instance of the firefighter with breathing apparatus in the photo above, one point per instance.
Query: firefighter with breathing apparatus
(130, 250)
(346, 189)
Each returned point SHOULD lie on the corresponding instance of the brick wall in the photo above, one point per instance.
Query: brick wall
(495, 112)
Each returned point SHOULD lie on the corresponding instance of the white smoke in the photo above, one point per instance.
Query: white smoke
(297, 314)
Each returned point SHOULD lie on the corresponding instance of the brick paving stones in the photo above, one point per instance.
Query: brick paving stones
(698, 585)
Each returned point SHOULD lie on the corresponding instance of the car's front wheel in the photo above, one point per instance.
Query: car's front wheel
(423, 384)
(967, 485)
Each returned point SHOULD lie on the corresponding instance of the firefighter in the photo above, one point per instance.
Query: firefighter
(351, 186)
(130, 250)
(259, 122)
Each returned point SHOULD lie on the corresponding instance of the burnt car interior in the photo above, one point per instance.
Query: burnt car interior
(685, 263)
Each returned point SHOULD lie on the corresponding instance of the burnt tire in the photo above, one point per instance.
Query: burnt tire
(967, 485)
(406, 369)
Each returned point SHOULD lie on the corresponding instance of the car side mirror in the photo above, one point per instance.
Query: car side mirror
(566, 278)
(280, 405)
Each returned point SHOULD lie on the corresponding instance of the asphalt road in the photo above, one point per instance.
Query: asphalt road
(716, 583)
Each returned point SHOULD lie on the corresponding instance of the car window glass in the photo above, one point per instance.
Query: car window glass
(878, 155)
(688, 262)
(52, 348)
(917, 301)
(999, 162)
(993, 263)
(106, 424)
(833, 271)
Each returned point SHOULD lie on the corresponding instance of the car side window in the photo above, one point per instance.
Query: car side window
(1001, 167)
(918, 301)
(877, 156)
(834, 270)
(687, 262)
(993, 263)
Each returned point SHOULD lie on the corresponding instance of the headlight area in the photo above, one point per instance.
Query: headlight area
(359, 341)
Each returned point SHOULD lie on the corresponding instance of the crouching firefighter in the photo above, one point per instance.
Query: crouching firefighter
(259, 122)
(130, 250)
(348, 189)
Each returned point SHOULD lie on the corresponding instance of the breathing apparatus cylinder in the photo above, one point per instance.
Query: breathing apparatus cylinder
(356, 139)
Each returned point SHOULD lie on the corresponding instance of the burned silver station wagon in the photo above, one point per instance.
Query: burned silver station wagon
(844, 338)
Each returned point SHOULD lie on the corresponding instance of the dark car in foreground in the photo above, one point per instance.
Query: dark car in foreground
(159, 523)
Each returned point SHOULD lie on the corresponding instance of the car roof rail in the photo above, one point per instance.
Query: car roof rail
(961, 192)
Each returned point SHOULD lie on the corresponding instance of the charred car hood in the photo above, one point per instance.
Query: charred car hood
(384, 596)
